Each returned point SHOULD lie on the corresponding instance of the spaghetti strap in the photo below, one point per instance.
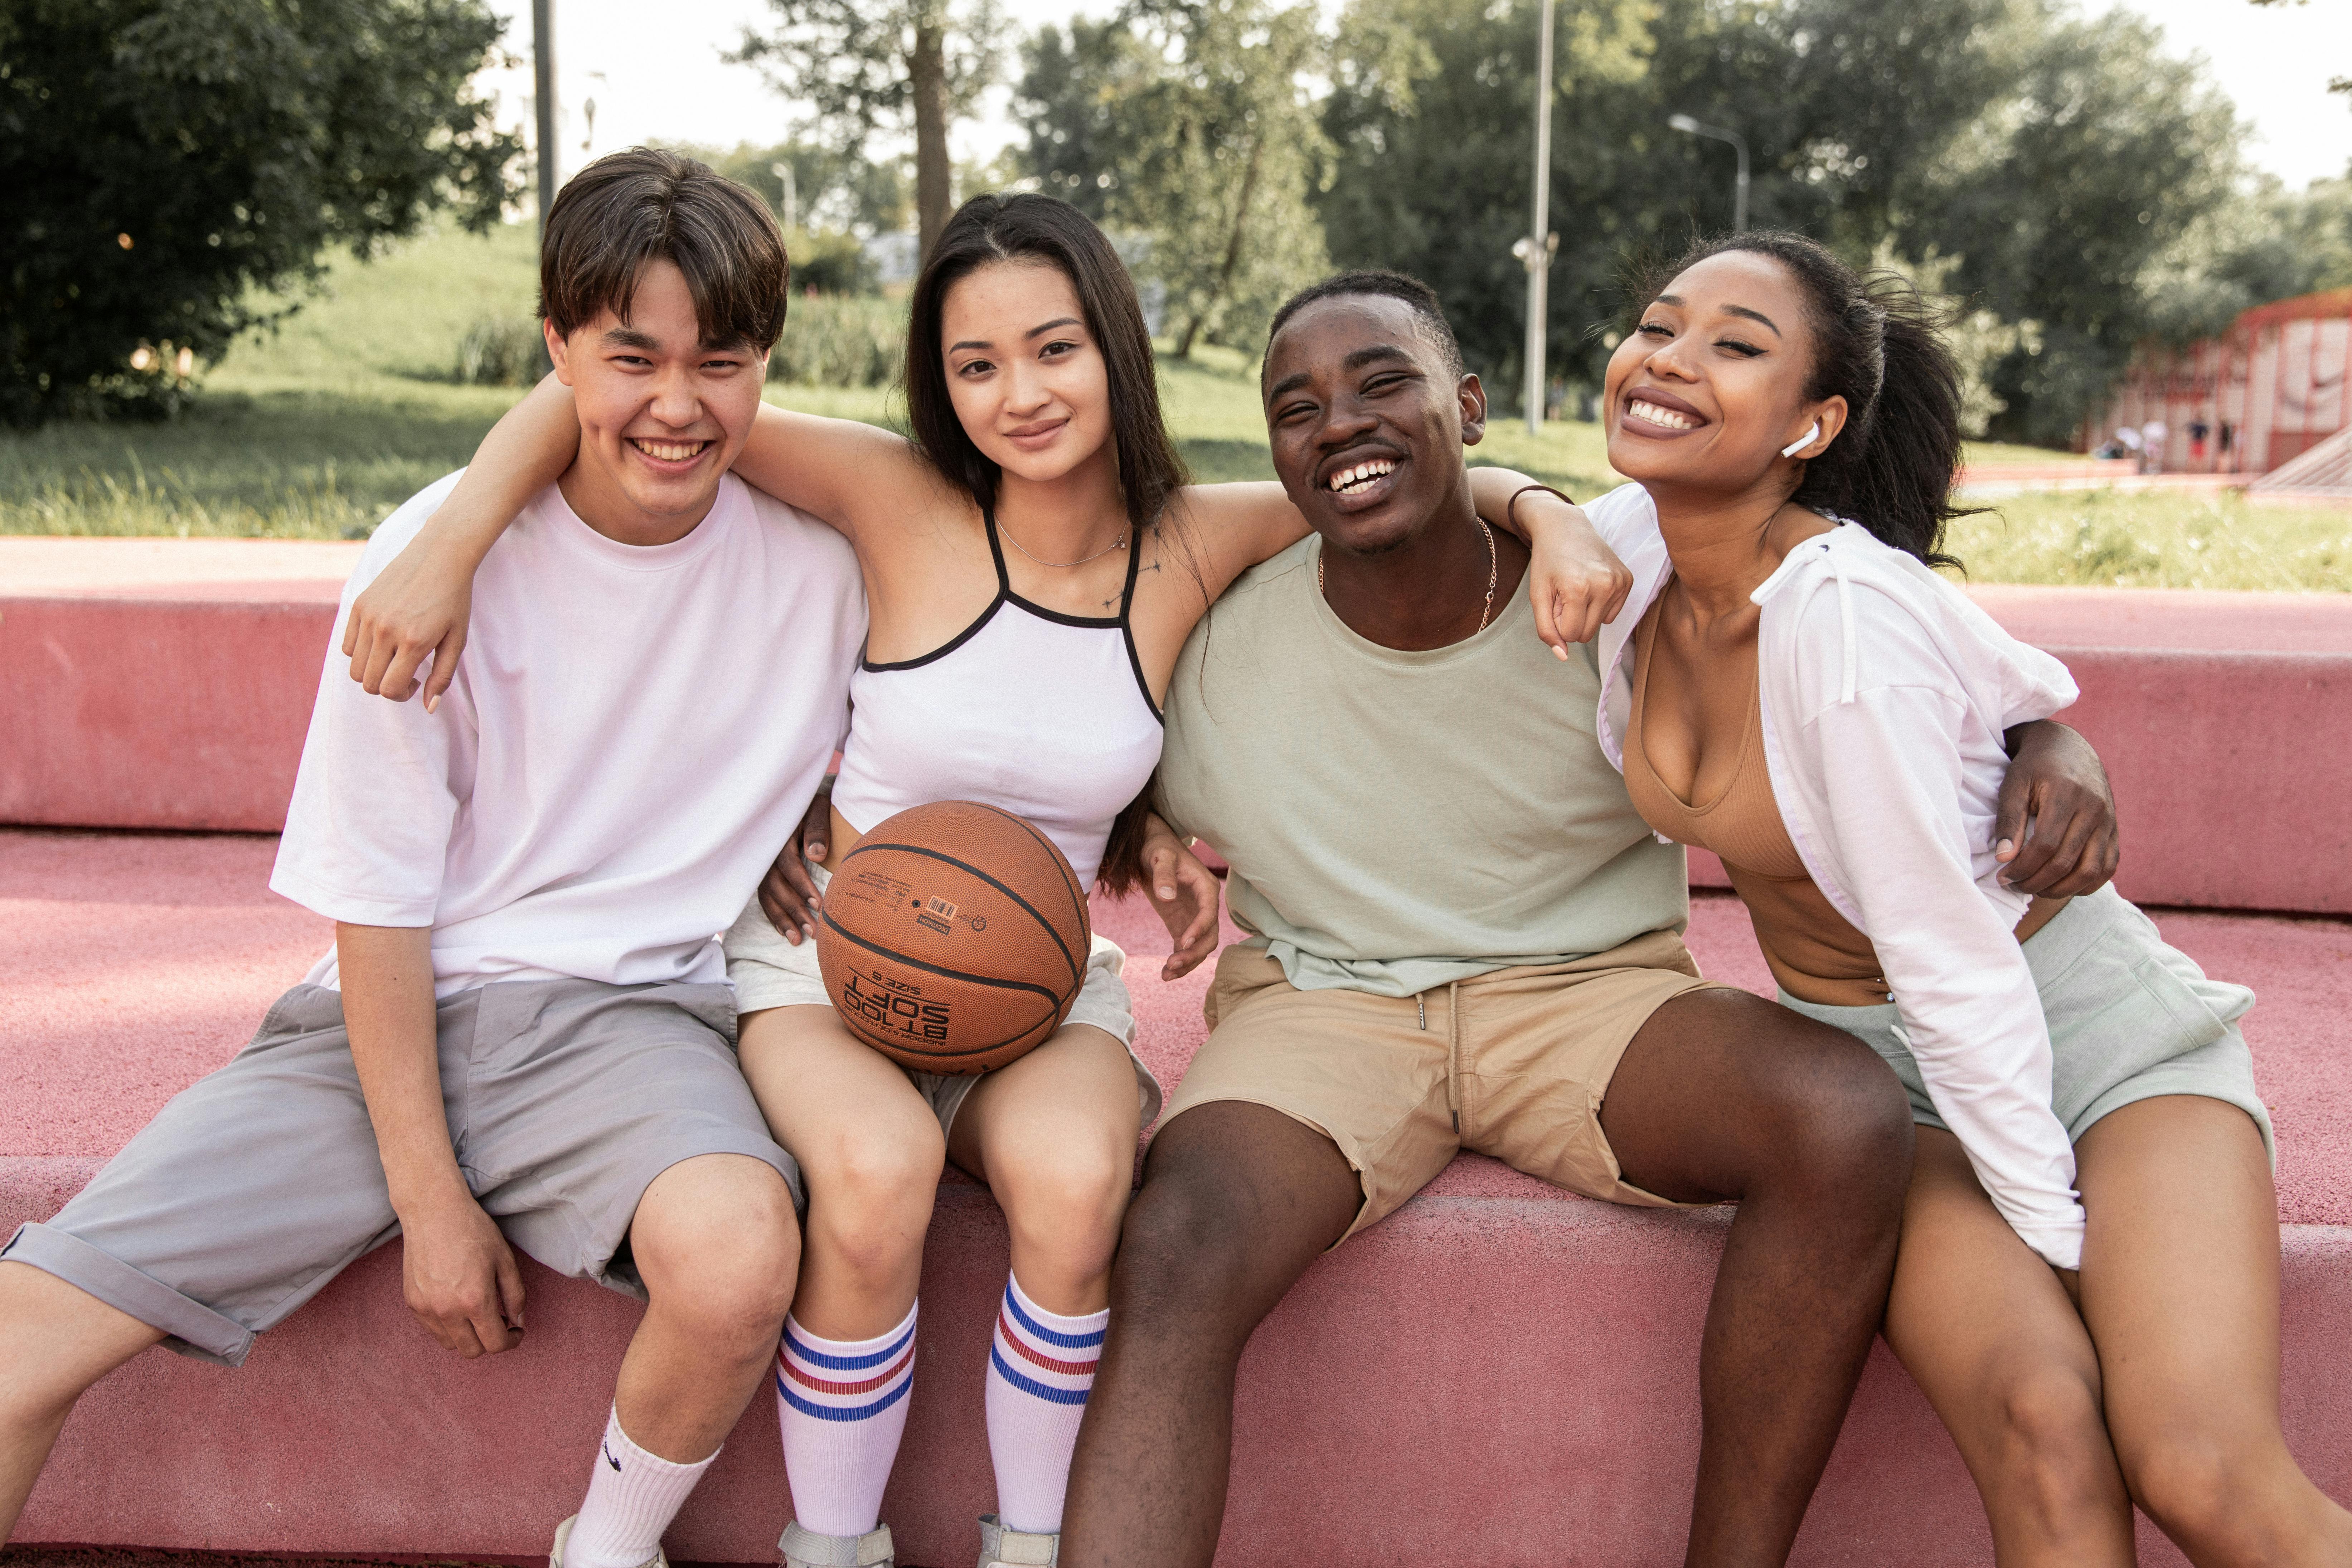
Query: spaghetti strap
(996, 553)
(1134, 570)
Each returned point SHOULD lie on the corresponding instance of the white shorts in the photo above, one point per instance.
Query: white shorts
(769, 971)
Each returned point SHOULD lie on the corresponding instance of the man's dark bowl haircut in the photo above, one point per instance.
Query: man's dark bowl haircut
(1386, 285)
(646, 205)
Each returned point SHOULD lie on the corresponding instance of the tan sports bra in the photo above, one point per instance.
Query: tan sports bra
(1815, 954)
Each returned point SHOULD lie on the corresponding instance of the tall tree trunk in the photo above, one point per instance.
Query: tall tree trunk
(1233, 248)
(926, 71)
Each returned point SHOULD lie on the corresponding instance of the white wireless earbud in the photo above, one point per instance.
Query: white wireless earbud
(1803, 441)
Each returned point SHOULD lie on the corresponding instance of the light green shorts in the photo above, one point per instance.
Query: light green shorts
(2130, 1019)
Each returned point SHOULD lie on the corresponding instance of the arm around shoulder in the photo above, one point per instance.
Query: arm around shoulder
(418, 606)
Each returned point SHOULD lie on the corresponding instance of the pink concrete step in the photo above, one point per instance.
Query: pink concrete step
(169, 683)
(1499, 1374)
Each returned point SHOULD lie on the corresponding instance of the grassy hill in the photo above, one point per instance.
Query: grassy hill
(318, 429)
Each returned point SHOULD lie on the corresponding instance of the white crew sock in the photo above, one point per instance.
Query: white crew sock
(631, 1498)
(843, 1406)
(1041, 1366)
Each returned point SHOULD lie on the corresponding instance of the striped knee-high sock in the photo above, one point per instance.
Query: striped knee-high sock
(1041, 1367)
(843, 1406)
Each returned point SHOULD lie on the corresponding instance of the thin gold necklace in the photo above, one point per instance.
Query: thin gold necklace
(1494, 574)
(1119, 543)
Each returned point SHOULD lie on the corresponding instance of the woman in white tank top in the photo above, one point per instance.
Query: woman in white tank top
(1030, 679)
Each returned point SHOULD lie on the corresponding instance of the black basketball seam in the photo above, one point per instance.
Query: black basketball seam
(1050, 1025)
(1061, 862)
(939, 969)
(1076, 972)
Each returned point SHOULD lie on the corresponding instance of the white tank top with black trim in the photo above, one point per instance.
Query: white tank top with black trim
(1027, 709)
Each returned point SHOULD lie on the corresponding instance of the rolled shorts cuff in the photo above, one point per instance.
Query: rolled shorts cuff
(189, 1326)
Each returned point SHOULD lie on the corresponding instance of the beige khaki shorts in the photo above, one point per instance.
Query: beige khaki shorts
(769, 971)
(1512, 1063)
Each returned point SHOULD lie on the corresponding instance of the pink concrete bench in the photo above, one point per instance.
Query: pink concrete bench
(1555, 1420)
(171, 680)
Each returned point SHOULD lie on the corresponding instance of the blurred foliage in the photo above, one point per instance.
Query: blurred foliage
(1186, 122)
(834, 192)
(167, 161)
(891, 65)
(501, 350)
(831, 340)
(2086, 188)
(847, 59)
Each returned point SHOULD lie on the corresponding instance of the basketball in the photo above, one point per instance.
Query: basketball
(953, 938)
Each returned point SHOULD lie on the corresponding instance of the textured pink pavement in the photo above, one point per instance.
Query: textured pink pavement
(1499, 1374)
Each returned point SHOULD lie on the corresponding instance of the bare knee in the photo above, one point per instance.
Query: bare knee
(1184, 1268)
(2051, 1448)
(1064, 1201)
(55, 1340)
(723, 1255)
(870, 1194)
(2205, 1491)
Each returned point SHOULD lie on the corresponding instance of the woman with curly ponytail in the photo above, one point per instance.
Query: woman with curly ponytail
(2088, 1284)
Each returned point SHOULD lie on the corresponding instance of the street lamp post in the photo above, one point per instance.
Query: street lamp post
(1689, 126)
(543, 52)
(1537, 249)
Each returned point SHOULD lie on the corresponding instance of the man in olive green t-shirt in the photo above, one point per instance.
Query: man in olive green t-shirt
(1465, 937)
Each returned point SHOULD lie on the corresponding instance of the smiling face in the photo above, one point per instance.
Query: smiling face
(1024, 373)
(662, 413)
(1366, 421)
(1710, 386)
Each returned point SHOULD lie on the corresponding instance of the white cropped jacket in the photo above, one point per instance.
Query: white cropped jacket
(1884, 693)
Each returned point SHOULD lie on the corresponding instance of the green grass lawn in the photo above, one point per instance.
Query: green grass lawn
(319, 428)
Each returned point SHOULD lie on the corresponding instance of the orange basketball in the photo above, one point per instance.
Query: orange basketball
(953, 938)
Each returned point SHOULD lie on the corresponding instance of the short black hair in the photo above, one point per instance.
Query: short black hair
(1387, 285)
(646, 205)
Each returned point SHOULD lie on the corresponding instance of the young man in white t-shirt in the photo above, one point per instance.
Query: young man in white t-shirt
(524, 1037)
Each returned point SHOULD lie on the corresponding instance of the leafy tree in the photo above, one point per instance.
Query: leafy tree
(2100, 156)
(1841, 102)
(1184, 121)
(168, 161)
(892, 66)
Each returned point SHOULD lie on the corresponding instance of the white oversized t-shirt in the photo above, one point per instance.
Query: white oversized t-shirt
(632, 734)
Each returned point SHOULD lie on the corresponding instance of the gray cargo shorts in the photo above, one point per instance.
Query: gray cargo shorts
(260, 1182)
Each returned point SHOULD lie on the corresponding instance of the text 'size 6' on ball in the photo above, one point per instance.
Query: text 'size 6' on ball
(953, 938)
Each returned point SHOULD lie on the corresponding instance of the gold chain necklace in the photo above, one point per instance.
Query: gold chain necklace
(1494, 574)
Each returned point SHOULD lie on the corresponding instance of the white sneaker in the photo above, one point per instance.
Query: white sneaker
(807, 1549)
(1002, 1548)
(563, 1536)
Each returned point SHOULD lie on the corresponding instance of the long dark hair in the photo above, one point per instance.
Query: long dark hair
(1029, 228)
(1878, 347)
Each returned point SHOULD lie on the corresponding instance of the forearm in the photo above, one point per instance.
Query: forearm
(1491, 490)
(527, 450)
(389, 1011)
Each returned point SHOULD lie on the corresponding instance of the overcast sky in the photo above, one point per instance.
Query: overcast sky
(665, 81)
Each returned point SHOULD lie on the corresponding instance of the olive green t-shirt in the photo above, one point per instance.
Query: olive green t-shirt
(1397, 820)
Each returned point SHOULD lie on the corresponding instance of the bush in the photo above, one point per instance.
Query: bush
(831, 262)
(500, 350)
(834, 340)
(170, 164)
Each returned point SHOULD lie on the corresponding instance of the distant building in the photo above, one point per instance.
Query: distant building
(2259, 395)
